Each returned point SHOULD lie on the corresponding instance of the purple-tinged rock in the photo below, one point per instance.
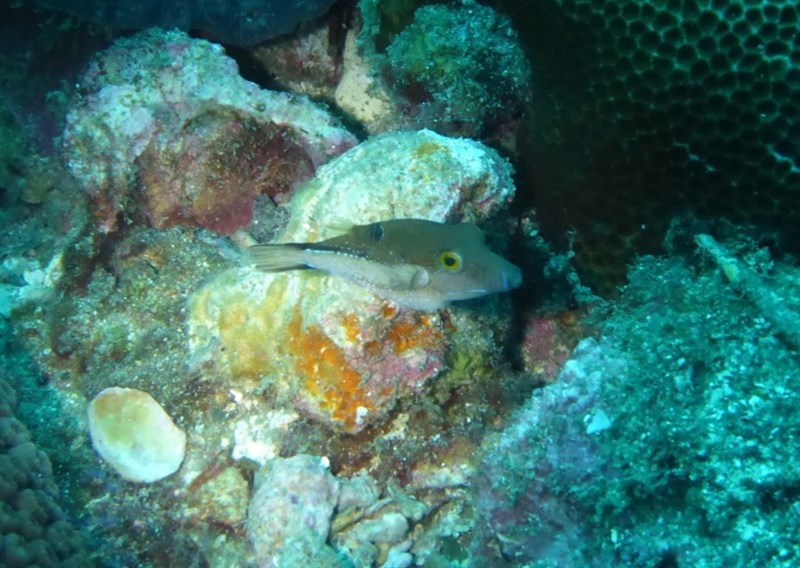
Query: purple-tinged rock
(522, 488)
(289, 517)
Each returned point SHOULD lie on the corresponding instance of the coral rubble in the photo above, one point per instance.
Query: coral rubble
(290, 513)
(324, 425)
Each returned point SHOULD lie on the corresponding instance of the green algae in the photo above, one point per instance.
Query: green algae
(464, 62)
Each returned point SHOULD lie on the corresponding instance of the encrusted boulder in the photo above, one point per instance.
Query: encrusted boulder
(344, 354)
(166, 128)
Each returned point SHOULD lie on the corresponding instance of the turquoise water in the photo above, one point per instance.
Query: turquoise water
(633, 403)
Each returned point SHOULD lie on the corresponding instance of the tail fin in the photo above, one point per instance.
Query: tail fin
(277, 258)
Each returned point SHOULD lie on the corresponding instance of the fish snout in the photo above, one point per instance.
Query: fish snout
(507, 277)
(512, 276)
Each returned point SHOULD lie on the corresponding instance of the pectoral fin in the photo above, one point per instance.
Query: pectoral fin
(420, 279)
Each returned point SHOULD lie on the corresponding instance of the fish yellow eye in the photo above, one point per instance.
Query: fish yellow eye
(450, 261)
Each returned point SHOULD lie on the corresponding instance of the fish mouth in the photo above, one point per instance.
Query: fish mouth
(502, 281)
(466, 294)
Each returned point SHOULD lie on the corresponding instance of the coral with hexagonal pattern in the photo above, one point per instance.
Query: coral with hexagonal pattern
(647, 109)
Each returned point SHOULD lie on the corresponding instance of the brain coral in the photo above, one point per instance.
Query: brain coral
(33, 529)
(647, 109)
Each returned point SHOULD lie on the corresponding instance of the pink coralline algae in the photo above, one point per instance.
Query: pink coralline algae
(547, 344)
(166, 128)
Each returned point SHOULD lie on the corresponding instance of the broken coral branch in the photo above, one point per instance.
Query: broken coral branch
(755, 288)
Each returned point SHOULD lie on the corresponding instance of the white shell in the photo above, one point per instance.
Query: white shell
(134, 435)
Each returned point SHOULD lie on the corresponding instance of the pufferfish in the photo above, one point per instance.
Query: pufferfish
(418, 264)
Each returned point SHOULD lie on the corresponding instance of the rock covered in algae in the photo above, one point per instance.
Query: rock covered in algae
(455, 67)
(671, 443)
(345, 354)
(468, 64)
(171, 115)
(135, 435)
